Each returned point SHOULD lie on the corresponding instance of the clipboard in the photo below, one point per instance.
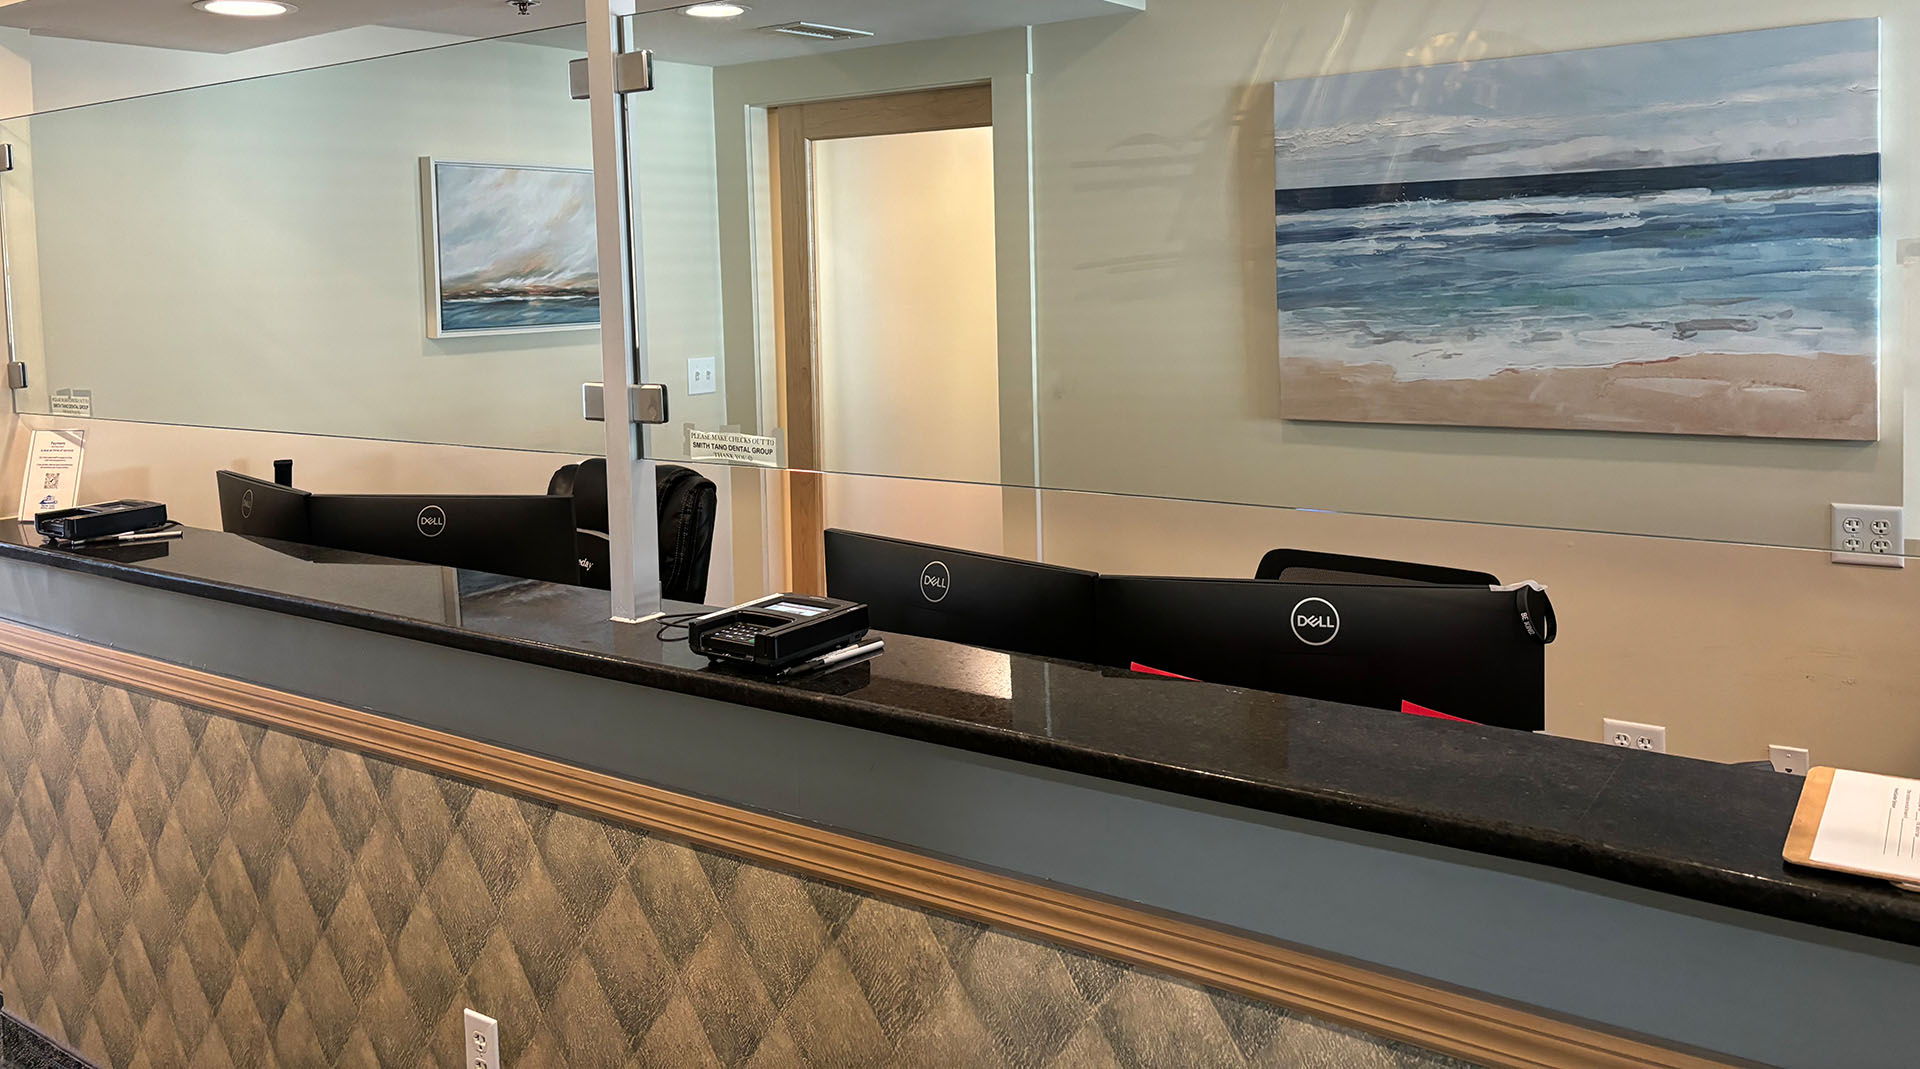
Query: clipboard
(1806, 823)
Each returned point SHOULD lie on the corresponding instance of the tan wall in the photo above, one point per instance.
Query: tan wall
(904, 295)
(1158, 334)
(1731, 647)
(1151, 202)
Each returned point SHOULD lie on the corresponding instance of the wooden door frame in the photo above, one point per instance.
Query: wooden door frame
(791, 131)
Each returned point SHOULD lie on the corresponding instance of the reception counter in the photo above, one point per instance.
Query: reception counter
(944, 856)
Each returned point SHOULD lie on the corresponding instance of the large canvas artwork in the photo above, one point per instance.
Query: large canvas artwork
(509, 248)
(1677, 237)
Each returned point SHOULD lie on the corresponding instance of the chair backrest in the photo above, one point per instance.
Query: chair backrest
(687, 502)
(1306, 566)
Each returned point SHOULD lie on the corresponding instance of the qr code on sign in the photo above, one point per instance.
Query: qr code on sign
(53, 481)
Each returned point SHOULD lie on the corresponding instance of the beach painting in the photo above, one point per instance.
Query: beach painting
(1680, 237)
(509, 249)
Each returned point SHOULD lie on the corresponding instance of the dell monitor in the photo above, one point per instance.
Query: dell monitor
(517, 535)
(255, 507)
(1464, 651)
(982, 600)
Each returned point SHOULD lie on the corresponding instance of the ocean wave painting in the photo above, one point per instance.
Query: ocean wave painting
(1679, 237)
(512, 249)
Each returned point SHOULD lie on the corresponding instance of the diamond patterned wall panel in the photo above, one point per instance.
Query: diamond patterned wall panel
(178, 888)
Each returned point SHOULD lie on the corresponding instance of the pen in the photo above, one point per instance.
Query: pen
(837, 657)
(130, 538)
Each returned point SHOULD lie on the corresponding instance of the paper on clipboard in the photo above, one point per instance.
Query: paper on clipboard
(52, 481)
(1871, 824)
(1858, 822)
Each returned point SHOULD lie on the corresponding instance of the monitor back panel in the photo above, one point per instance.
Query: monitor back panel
(1459, 650)
(525, 536)
(976, 598)
(262, 509)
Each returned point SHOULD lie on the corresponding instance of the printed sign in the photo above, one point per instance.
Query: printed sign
(53, 472)
(730, 447)
(70, 402)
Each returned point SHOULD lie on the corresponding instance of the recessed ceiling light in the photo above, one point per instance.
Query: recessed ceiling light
(715, 9)
(246, 9)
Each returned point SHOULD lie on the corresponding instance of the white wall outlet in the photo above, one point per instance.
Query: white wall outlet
(1792, 760)
(703, 376)
(1634, 736)
(483, 1042)
(1869, 534)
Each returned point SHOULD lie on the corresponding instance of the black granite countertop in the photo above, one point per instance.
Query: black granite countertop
(1691, 828)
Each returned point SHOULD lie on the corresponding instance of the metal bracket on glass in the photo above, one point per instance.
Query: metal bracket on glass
(6, 157)
(632, 73)
(16, 376)
(646, 403)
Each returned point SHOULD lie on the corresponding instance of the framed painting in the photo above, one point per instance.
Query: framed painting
(509, 248)
(1679, 237)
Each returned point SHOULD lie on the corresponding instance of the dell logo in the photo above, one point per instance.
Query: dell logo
(246, 505)
(1315, 621)
(935, 581)
(432, 521)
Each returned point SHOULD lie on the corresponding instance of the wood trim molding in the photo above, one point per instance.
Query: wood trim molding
(1453, 1022)
(791, 131)
(956, 108)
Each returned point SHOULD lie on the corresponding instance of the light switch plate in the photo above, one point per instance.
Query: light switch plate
(703, 376)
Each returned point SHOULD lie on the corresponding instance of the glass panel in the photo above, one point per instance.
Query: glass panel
(1230, 264)
(1730, 648)
(64, 55)
(398, 248)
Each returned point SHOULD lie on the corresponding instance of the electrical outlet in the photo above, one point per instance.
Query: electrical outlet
(702, 375)
(1792, 760)
(483, 1041)
(1634, 736)
(1869, 534)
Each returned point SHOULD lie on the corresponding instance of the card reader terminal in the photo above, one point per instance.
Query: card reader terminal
(778, 630)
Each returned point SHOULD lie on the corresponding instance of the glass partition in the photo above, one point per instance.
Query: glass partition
(398, 248)
(1614, 270)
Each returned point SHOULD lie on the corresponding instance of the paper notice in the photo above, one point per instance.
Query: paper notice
(53, 472)
(1871, 824)
(69, 402)
(733, 448)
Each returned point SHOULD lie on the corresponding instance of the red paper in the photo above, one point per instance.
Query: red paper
(1420, 710)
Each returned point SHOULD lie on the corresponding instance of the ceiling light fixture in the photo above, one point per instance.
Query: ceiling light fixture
(246, 9)
(715, 9)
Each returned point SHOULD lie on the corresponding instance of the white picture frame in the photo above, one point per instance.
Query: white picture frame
(478, 284)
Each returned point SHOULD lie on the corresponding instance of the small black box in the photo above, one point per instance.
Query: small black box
(104, 520)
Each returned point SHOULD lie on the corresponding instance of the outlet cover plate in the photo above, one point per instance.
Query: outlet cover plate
(1792, 760)
(483, 1041)
(1869, 534)
(1634, 736)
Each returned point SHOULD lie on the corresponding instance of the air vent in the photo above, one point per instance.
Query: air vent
(818, 31)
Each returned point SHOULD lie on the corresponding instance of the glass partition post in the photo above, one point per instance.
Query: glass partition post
(632, 512)
(15, 369)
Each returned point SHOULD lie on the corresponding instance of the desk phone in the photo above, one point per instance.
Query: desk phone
(777, 631)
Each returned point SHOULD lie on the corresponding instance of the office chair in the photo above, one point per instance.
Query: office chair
(687, 501)
(1306, 566)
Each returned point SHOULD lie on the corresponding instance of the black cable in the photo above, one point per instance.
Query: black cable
(677, 620)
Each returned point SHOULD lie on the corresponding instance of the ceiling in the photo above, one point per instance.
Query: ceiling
(177, 24)
(714, 43)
